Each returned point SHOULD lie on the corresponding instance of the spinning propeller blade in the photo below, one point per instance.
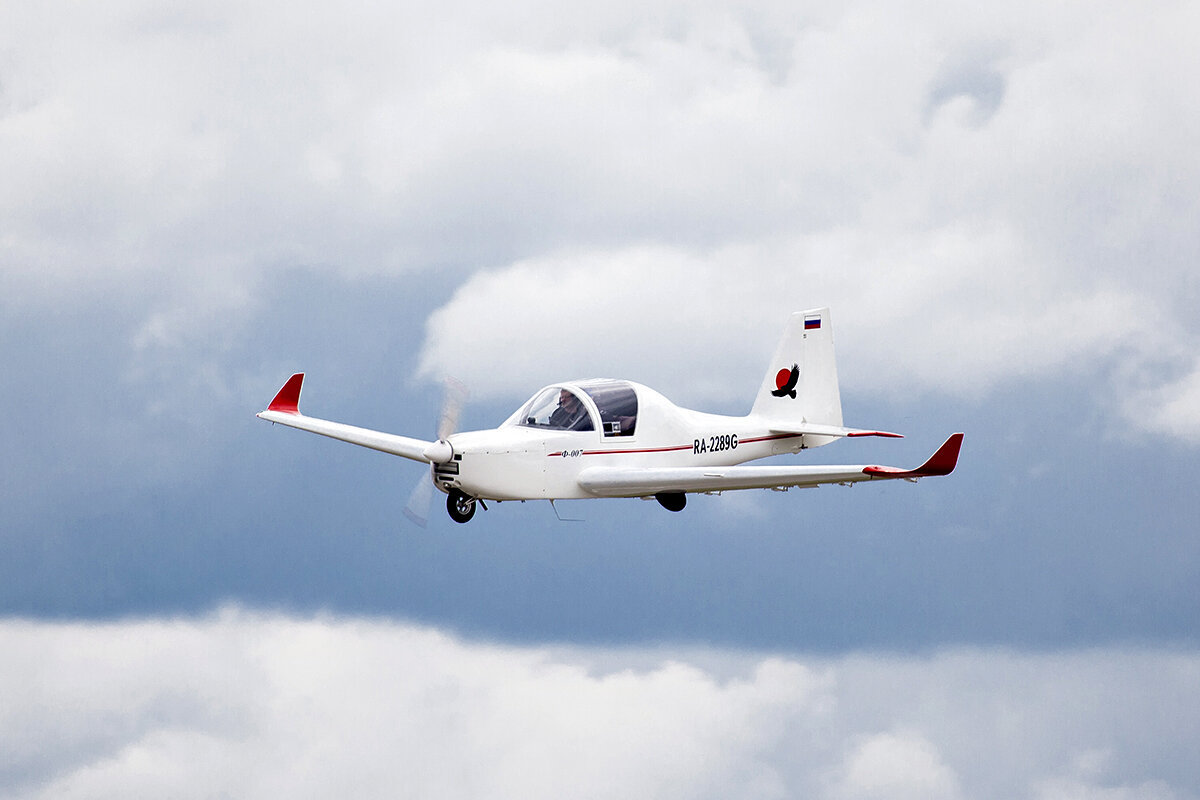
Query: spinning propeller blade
(454, 396)
(417, 508)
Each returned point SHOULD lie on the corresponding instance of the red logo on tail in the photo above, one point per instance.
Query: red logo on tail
(785, 382)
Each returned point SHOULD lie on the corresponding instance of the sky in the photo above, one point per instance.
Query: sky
(999, 204)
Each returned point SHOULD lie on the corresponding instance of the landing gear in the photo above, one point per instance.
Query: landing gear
(671, 501)
(460, 506)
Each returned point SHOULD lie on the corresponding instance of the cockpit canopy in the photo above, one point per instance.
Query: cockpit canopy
(557, 408)
(617, 403)
(562, 408)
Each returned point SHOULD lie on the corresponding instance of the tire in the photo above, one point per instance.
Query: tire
(671, 501)
(460, 506)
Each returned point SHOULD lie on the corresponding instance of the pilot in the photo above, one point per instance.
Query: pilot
(570, 414)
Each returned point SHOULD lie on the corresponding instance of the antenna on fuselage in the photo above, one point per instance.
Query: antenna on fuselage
(561, 518)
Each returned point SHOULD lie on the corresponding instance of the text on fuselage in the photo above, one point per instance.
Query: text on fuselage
(715, 444)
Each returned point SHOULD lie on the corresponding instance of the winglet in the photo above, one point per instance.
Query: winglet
(942, 462)
(288, 399)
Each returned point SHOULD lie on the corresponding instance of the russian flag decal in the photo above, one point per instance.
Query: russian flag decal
(812, 322)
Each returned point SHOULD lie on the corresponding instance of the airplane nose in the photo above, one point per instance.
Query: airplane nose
(439, 452)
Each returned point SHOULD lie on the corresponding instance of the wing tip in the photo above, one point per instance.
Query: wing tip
(945, 459)
(287, 399)
(942, 462)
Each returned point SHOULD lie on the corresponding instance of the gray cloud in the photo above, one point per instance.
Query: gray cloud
(263, 706)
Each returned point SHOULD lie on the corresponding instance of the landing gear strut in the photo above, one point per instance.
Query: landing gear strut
(671, 501)
(460, 506)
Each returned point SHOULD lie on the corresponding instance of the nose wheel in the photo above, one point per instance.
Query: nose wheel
(460, 506)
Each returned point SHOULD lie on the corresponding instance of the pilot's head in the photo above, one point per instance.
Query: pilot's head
(567, 399)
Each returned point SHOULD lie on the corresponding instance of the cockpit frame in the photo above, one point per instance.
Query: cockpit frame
(579, 406)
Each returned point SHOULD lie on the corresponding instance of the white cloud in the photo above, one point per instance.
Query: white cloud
(1070, 789)
(590, 314)
(249, 705)
(981, 195)
(895, 766)
(1171, 409)
(977, 217)
(704, 325)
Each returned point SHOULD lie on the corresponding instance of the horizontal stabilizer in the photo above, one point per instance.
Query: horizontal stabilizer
(814, 429)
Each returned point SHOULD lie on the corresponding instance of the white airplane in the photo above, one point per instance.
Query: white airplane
(615, 438)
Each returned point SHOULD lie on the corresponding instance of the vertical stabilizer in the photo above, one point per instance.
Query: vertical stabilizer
(801, 384)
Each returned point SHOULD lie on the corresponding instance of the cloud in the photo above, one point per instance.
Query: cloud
(1171, 409)
(264, 706)
(894, 765)
(704, 324)
(1007, 210)
(985, 198)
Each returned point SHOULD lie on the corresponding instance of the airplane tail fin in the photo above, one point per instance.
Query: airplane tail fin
(801, 384)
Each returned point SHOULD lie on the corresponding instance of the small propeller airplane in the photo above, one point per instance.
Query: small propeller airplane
(614, 438)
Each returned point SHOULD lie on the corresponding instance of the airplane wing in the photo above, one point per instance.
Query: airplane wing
(635, 482)
(285, 410)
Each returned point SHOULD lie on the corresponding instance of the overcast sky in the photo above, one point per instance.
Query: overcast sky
(1000, 204)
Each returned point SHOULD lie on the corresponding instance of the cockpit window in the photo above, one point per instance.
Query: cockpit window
(559, 409)
(618, 405)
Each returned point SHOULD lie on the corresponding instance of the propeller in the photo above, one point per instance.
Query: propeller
(417, 507)
(454, 396)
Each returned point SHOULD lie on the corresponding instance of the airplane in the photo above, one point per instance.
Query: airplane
(602, 437)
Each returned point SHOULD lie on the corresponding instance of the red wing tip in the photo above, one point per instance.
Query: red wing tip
(942, 462)
(884, 434)
(287, 401)
(945, 459)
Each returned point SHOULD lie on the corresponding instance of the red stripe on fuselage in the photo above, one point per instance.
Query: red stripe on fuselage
(638, 450)
(674, 448)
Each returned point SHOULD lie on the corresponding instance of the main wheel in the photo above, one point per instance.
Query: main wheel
(671, 501)
(460, 506)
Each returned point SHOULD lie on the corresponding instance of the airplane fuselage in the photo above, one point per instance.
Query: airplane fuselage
(516, 462)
